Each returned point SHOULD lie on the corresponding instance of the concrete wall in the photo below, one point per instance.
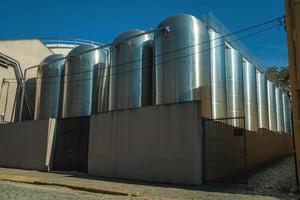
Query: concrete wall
(267, 145)
(155, 143)
(25, 144)
(28, 53)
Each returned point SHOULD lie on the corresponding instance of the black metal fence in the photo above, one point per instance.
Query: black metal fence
(224, 150)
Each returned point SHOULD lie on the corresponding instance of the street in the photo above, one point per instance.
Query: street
(274, 180)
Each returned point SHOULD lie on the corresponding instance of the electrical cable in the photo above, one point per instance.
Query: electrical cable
(139, 68)
(278, 19)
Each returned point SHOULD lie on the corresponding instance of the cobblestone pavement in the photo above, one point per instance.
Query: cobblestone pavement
(17, 191)
(276, 179)
(20, 191)
(273, 181)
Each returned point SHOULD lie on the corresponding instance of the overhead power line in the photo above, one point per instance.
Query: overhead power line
(170, 60)
(278, 20)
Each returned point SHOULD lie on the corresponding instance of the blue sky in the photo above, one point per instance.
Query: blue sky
(103, 20)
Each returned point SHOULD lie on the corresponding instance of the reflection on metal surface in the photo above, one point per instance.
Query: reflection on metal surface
(86, 76)
(286, 113)
(49, 87)
(262, 100)
(279, 110)
(250, 96)
(218, 84)
(234, 83)
(271, 106)
(131, 71)
(182, 62)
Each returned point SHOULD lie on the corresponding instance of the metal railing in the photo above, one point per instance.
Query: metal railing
(224, 150)
(57, 41)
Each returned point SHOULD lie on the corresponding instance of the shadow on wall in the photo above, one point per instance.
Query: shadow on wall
(28, 111)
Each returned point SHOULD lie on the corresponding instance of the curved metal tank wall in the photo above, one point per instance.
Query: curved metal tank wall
(49, 87)
(271, 106)
(131, 71)
(262, 100)
(286, 113)
(250, 96)
(218, 81)
(29, 102)
(182, 62)
(104, 80)
(234, 84)
(279, 110)
(85, 69)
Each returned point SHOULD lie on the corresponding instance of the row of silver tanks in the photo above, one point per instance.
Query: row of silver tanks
(184, 62)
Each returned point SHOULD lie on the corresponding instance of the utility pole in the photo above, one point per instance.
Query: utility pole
(292, 10)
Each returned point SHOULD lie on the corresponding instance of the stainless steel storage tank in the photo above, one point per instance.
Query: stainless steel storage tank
(250, 96)
(49, 87)
(182, 62)
(218, 82)
(271, 106)
(279, 110)
(85, 70)
(286, 113)
(131, 71)
(234, 84)
(104, 80)
(262, 100)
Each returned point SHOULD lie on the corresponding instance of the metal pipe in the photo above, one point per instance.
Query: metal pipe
(19, 77)
(22, 97)
(15, 65)
(6, 100)
(1, 90)
(23, 91)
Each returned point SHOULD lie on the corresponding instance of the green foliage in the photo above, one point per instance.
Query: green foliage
(280, 76)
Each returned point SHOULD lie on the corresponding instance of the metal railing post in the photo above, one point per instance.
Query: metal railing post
(23, 91)
(22, 95)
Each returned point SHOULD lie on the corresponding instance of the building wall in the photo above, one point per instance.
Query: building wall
(25, 144)
(28, 53)
(155, 143)
(267, 145)
(292, 9)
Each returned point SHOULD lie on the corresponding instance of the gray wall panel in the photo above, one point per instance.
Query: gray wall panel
(24, 144)
(155, 143)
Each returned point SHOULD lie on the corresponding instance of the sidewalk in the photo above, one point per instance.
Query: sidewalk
(81, 182)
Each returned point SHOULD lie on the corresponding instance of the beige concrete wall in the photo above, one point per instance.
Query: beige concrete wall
(267, 145)
(25, 144)
(8, 92)
(155, 143)
(28, 53)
